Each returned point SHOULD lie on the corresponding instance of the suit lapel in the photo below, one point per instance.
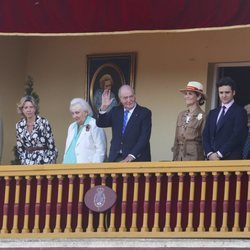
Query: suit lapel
(120, 119)
(225, 118)
(132, 119)
(214, 119)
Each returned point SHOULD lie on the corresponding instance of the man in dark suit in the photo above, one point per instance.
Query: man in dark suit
(131, 126)
(226, 126)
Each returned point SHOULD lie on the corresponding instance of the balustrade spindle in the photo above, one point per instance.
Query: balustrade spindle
(247, 226)
(101, 217)
(6, 204)
(69, 204)
(90, 227)
(156, 227)
(236, 226)
(201, 227)
(112, 214)
(191, 203)
(59, 204)
(168, 202)
(146, 205)
(179, 203)
(212, 227)
(16, 206)
(135, 205)
(37, 205)
(124, 203)
(224, 227)
(26, 206)
(48, 205)
(80, 203)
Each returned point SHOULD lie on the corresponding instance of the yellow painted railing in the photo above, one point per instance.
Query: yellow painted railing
(156, 199)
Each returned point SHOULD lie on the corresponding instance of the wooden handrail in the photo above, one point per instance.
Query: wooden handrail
(154, 199)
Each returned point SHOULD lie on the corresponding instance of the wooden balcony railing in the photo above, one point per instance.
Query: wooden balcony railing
(156, 199)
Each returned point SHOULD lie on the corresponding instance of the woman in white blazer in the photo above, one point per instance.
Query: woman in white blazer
(86, 143)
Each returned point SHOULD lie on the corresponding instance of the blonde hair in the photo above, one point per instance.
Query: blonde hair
(83, 104)
(104, 78)
(23, 100)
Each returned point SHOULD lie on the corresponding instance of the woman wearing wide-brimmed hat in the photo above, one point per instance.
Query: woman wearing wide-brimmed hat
(189, 126)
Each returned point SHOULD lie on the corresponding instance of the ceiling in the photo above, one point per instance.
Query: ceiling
(94, 16)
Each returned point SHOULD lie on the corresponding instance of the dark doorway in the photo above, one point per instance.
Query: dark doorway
(241, 75)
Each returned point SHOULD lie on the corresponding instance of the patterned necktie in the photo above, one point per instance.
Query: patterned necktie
(125, 120)
(221, 117)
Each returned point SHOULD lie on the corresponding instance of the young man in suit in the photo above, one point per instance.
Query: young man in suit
(226, 126)
(131, 126)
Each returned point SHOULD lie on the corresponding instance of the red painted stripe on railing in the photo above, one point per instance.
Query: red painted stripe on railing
(37, 208)
(16, 208)
(5, 209)
(157, 207)
(214, 206)
(190, 206)
(237, 206)
(168, 206)
(48, 208)
(145, 207)
(202, 206)
(80, 206)
(26, 208)
(69, 207)
(225, 206)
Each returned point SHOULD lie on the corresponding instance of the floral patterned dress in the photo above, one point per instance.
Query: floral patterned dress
(40, 137)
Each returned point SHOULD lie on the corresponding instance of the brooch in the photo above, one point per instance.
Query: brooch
(199, 116)
(87, 127)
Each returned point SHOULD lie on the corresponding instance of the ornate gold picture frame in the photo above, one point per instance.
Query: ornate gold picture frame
(118, 69)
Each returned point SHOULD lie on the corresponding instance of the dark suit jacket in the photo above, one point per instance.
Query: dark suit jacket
(231, 134)
(136, 137)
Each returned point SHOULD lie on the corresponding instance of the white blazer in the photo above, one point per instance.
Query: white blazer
(91, 145)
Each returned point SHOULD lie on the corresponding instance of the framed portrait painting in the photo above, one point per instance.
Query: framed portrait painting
(108, 71)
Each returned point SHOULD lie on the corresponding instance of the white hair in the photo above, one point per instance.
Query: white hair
(83, 104)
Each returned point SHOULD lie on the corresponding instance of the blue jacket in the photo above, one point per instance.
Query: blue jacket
(136, 138)
(230, 137)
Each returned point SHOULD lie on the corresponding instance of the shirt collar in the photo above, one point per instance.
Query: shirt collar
(131, 110)
(228, 105)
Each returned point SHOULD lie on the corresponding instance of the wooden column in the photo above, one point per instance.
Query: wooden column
(156, 227)
(145, 207)
(236, 226)
(179, 204)
(224, 227)
(80, 203)
(135, 205)
(168, 203)
(101, 217)
(124, 203)
(247, 226)
(191, 203)
(69, 204)
(48, 205)
(90, 227)
(212, 227)
(16, 206)
(112, 214)
(201, 227)
(26, 206)
(37, 205)
(4, 229)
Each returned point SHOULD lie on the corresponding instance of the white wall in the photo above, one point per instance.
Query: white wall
(164, 65)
